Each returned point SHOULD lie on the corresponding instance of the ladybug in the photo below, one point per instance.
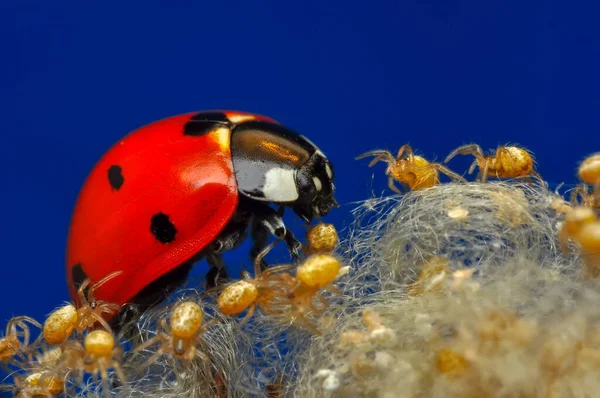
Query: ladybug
(190, 187)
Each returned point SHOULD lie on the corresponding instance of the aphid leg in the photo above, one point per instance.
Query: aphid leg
(11, 326)
(214, 289)
(575, 195)
(109, 307)
(308, 324)
(260, 255)
(25, 347)
(273, 311)
(333, 289)
(160, 336)
(208, 324)
(383, 158)
(471, 149)
(279, 268)
(90, 293)
(101, 321)
(20, 321)
(318, 310)
(409, 152)
(22, 360)
(248, 315)
(104, 377)
(154, 357)
(199, 353)
(106, 279)
(472, 167)
(535, 176)
(443, 169)
(119, 371)
(81, 291)
(206, 362)
(482, 176)
(379, 155)
(405, 186)
(392, 185)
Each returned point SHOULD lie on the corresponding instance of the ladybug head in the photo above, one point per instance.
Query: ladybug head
(275, 164)
(314, 182)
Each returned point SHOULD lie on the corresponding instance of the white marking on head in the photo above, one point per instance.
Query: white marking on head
(328, 171)
(280, 185)
(318, 184)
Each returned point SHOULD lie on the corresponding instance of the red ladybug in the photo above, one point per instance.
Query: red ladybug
(188, 187)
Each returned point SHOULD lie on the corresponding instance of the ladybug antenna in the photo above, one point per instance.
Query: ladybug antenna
(259, 258)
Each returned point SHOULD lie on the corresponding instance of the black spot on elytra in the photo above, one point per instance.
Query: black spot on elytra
(115, 177)
(78, 275)
(162, 228)
(205, 122)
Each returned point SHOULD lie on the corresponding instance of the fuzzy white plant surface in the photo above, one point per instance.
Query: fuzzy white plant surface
(474, 299)
(460, 290)
(227, 373)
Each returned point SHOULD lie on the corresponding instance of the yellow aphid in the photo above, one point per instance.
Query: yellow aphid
(180, 336)
(49, 357)
(318, 270)
(575, 219)
(96, 356)
(451, 362)
(322, 238)
(431, 278)
(9, 346)
(573, 224)
(99, 343)
(589, 238)
(506, 162)
(236, 297)
(512, 161)
(423, 175)
(186, 320)
(413, 171)
(45, 383)
(458, 213)
(60, 324)
(15, 342)
(589, 170)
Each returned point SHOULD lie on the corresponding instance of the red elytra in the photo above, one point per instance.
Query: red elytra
(184, 184)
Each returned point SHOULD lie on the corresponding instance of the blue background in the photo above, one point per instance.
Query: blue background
(351, 76)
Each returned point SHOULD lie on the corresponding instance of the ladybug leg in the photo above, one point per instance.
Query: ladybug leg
(260, 237)
(266, 221)
(294, 245)
(217, 272)
(231, 237)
